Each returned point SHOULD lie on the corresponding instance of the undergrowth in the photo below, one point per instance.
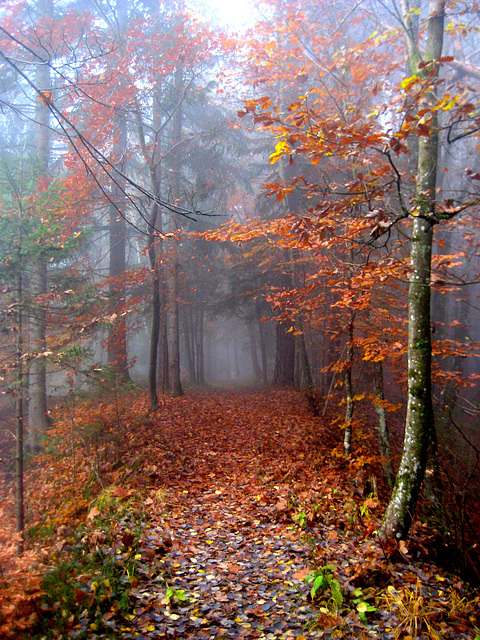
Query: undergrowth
(87, 590)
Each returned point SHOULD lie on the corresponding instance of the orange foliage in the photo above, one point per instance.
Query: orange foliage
(20, 581)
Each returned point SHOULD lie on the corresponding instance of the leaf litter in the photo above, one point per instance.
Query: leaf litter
(232, 508)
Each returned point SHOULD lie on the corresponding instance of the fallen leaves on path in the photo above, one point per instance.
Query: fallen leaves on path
(214, 511)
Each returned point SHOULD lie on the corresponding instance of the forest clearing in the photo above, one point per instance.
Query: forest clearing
(213, 518)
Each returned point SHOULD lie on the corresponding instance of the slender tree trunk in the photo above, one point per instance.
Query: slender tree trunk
(302, 376)
(382, 426)
(284, 372)
(117, 342)
(20, 518)
(257, 371)
(162, 366)
(263, 345)
(155, 331)
(304, 380)
(189, 339)
(199, 345)
(263, 352)
(173, 333)
(419, 428)
(37, 410)
(153, 162)
(347, 382)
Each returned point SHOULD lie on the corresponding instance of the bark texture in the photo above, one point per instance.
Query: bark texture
(419, 427)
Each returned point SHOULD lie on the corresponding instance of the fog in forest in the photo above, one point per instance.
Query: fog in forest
(282, 194)
(135, 136)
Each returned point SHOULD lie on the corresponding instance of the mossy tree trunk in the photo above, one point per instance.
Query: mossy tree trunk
(419, 427)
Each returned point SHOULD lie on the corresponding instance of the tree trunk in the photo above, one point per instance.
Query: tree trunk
(173, 333)
(155, 331)
(304, 381)
(19, 502)
(382, 426)
(257, 370)
(154, 226)
(199, 345)
(263, 346)
(189, 341)
(347, 381)
(117, 342)
(419, 428)
(37, 409)
(284, 372)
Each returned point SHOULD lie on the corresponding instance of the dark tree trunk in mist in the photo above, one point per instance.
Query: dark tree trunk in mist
(193, 330)
(382, 426)
(37, 407)
(303, 373)
(117, 342)
(302, 376)
(284, 372)
(263, 349)
(257, 370)
(173, 331)
(153, 160)
(189, 340)
(199, 344)
(155, 331)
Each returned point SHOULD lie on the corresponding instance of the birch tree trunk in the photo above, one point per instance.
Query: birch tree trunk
(419, 427)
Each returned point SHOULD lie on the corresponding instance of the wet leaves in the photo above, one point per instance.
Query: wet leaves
(237, 570)
(217, 509)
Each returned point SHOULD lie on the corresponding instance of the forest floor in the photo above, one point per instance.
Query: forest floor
(221, 515)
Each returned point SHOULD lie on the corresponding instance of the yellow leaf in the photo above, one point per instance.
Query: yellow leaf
(281, 148)
(408, 83)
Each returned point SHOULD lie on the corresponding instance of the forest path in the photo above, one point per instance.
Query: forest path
(241, 572)
(233, 461)
(214, 509)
